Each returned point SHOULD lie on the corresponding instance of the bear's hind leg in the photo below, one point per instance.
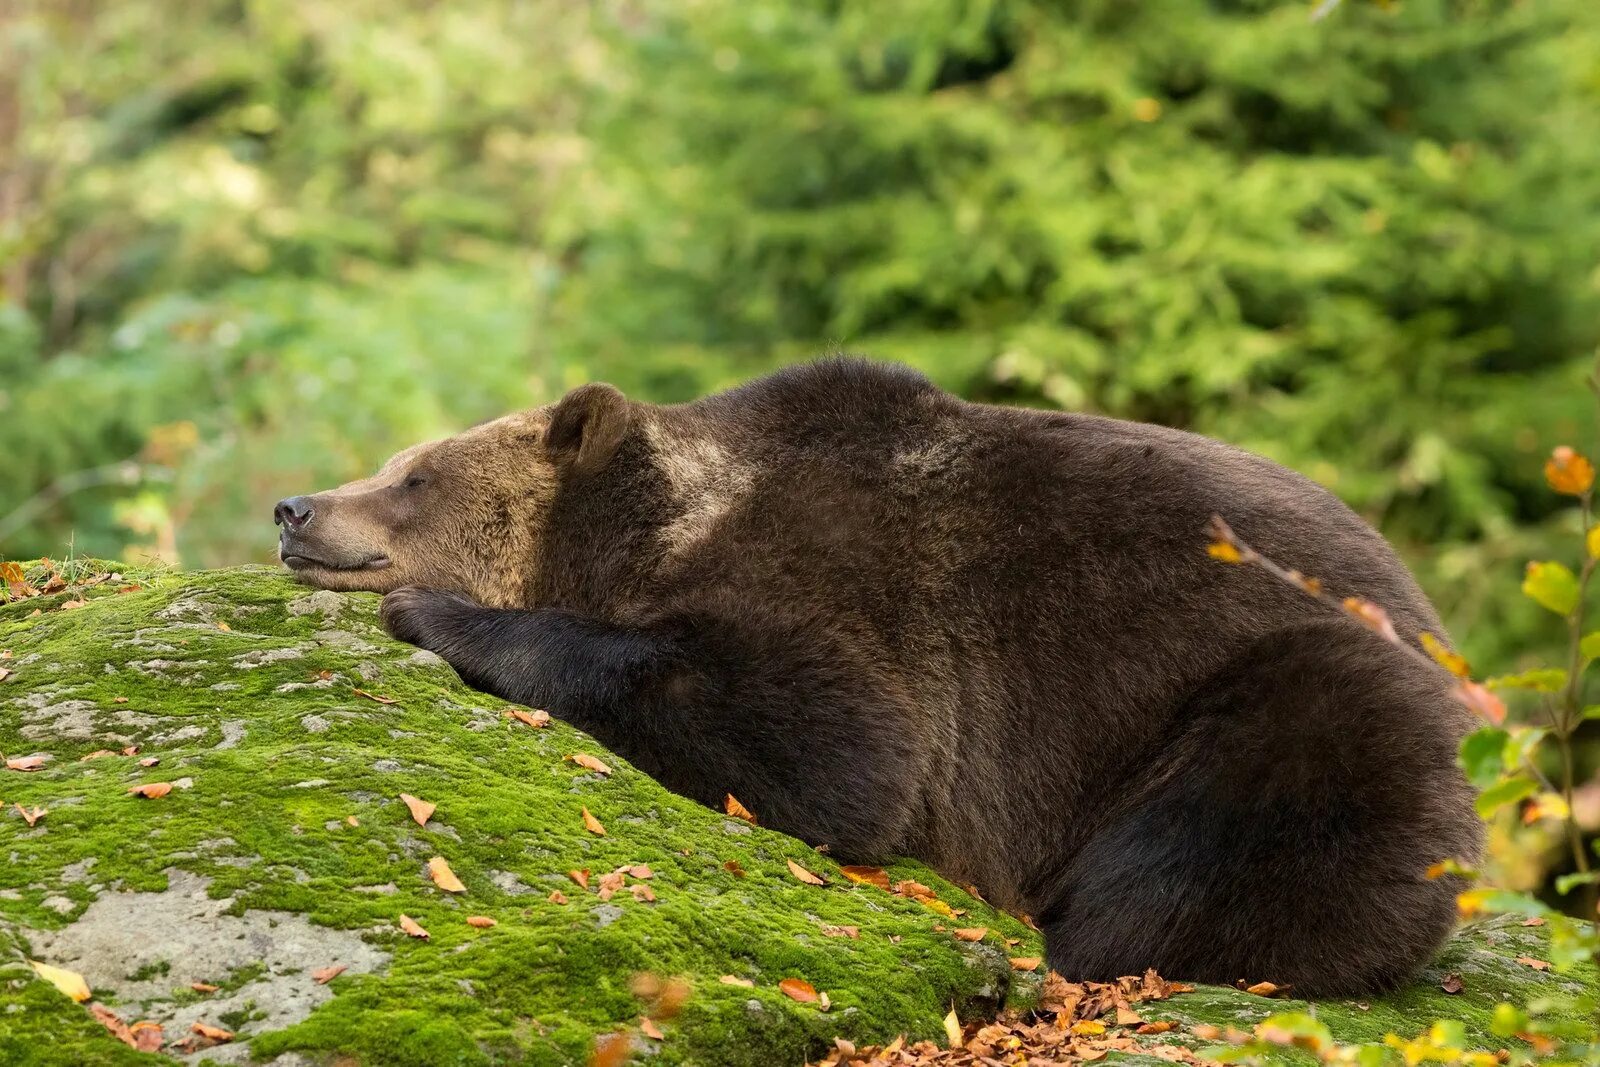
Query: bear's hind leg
(1283, 831)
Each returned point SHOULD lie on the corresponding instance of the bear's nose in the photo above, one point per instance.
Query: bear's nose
(293, 512)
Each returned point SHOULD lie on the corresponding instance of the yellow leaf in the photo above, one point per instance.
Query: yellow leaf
(733, 979)
(952, 1029)
(69, 982)
(1451, 661)
(866, 876)
(1223, 551)
(804, 875)
(443, 877)
(1088, 1028)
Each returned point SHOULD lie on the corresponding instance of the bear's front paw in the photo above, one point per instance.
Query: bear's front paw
(423, 617)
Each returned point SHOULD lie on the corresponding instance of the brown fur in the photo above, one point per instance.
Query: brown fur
(898, 623)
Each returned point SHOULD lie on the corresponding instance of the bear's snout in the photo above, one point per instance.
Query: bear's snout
(293, 512)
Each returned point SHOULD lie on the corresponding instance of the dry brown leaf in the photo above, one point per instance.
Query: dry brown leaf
(914, 890)
(26, 763)
(866, 876)
(373, 696)
(324, 975)
(557, 897)
(147, 1036)
(421, 810)
(1263, 989)
(588, 762)
(804, 875)
(1529, 961)
(536, 719)
(648, 1028)
(733, 979)
(77, 602)
(212, 1033)
(798, 989)
(643, 894)
(1452, 983)
(1025, 963)
(731, 805)
(1126, 1016)
(610, 1050)
(581, 877)
(830, 930)
(970, 933)
(410, 926)
(33, 816)
(131, 750)
(151, 790)
(639, 870)
(592, 824)
(482, 922)
(1535, 921)
(1165, 1026)
(99, 753)
(70, 983)
(610, 884)
(149, 761)
(733, 868)
(443, 877)
(203, 987)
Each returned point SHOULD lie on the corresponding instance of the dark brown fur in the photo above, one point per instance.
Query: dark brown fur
(895, 622)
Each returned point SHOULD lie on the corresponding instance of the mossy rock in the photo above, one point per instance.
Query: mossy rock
(284, 848)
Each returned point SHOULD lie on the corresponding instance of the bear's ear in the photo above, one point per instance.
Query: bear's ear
(587, 426)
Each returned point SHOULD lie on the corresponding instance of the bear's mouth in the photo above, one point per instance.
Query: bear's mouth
(298, 561)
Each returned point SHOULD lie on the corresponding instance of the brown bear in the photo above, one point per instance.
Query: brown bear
(897, 623)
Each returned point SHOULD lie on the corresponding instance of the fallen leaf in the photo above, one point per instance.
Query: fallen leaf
(4, 674)
(1088, 1027)
(648, 1028)
(482, 922)
(588, 762)
(1452, 983)
(952, 1028)
(1263, 989)
(1157, 1028)
(643, 893)
(212, 1033)
(68, 605)
(31, 817)
(581, 877)
(535, 719)
(119, 700)
(443, 877)
(733, 868)
(592, 824)
(830, 930)
(131, 750)
(557, 897)
(610, 1050)
(1529, 961)
(1535, 921)
(98, 753)
(203, 987)
(147, 1036)
(70, 983)
(113, 1022)
(1025, 963)
(804, 875)
(224, 627)
(866, 876)
(151, 790)
(373, 696)
(731, 805)
(149, 761)
(914, 890)
(733, 979)
(970, 933)
(798, 989)
(351, 820)
(410, 926)
(421, 810)
(640, 870)
(1128, 1017)
(27, 763)
(324, 975)
(610, 884)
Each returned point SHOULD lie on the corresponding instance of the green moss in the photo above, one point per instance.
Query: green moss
(273, 751)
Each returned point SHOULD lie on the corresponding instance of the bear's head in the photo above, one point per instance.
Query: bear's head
(463, 514)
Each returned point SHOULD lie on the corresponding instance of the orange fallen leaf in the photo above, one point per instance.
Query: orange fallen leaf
(31, 817)
(1263, 989)
(147, 1036)
(1025, 963)
(733, 868)
(643, 894)
(535, 719)
(804, 875)
(866, 876)
(131, 750)
(151, 790)
(1157, 1028)
(410, 926)
(324, 975)
(581, 877)
(557, 897)
(77, 602)
(26, 763)
(203, 987)
(443, 877)
(99, 753)
(588, 762)
(731, 805)
(733, 979)
(68, 982)
(1529, 961)
(610, 1050)
(592, 824)
(212, 1033)
(149, 761)
(648, 1028)
(421, 810)
(830, 930)
(798, 989)
(373, 696)
(914, 890)
(482, 922)
(1535, 921)
(610, 884)
(640, 870)
(1128, 1017)
(970, 933)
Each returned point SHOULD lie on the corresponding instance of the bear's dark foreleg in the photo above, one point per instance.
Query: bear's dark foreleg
(1284, 831)
(807, 731)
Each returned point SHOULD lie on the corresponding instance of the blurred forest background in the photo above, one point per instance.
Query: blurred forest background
(251, 247)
